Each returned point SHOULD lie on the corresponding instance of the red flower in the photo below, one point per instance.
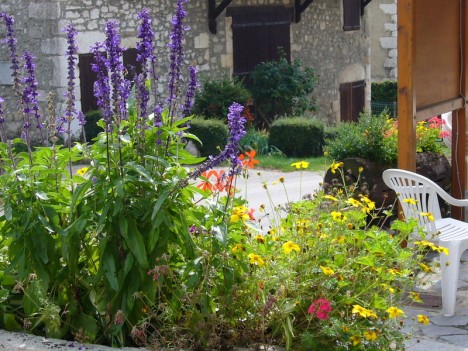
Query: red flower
(206, 185)
(250, 162)
(321, 307)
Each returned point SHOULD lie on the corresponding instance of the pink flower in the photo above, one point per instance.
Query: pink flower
(321, 307)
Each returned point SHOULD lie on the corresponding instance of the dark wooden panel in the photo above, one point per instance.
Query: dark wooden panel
(351, 15)
(87, 79)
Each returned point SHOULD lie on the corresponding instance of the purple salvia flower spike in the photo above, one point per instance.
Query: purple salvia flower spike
(193, 84)
(3, 137)
(177, 55)
(11, 41)
(30, 94)
(145, 48)
(120, 89)
(71, 53)
(236, 132)
(102, 84)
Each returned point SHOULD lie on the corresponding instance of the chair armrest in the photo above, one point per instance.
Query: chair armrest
(451, 200)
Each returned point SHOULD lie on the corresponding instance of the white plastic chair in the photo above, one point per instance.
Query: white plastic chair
(447, 232)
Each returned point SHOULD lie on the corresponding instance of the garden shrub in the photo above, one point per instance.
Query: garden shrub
(91, 128)
(213, 135)
(215, 97)
(281, 88)
(375, 138)
(365, 138)
(386, 91)
(298, 136)
(258, 140)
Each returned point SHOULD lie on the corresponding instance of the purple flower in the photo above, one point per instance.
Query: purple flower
(11, 41)
(193, 84)
(81, 118)
(71, 52)
(158, 121)
(236, 132)
(2, 119)
(145, 56)
(102, 84)
(29, 94)
(177, 54)
(120, 87)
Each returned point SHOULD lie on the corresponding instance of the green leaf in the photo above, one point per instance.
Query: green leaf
(159, 203)
(8, 211)
(126, 138)
(379, 302)
(140, 170)
(4, 295)
(136, 244)
(108, 266)
(220, 233)
(368, 261)
(10, 323)
(42, 195)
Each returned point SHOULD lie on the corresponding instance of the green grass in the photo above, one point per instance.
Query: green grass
(282, 163)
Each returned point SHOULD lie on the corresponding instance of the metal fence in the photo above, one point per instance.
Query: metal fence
(377, 107)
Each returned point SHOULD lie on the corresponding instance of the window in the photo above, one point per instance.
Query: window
(88, 77)
(351, 15)
(259, 32)
(352, 100)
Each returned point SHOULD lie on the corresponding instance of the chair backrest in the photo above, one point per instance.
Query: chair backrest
(417, 194)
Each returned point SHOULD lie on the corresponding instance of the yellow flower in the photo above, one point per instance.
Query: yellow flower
(329, 197)
(237, 248)
(335, 166)
(363, 312)
(410, 201)
(415, 296)
(425, 267)
(353, 202)
(394, 271)
(355, 339)
(240, 213)
(341, 239)
(389, 288)
(256, 259)
(423, 319)
(289, 246)
(281, 179)
(262, 208)
(327, 271)
(82, 171)
(361, 169)
(394, 312)
(260, 239)
(300, 164)
(337, 216)
(428, 215)
(370, 335)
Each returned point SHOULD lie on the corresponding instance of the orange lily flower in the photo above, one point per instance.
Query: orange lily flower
(250, 162)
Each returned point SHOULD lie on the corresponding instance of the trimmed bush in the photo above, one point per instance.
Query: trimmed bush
(91, 127)
(214, 99)
(298, 136)
(386, 91)
(212, 133)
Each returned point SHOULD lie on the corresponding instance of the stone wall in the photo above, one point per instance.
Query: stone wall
(383, 42)
(318, 40)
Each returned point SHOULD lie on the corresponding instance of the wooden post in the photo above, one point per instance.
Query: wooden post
(406, 92)
(459, 121)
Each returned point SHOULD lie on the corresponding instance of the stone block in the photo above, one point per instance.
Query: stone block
(390, 62)
(388, 42)
(53, 46)
(5, 73)
(202, 41)
(94, 14)
(389, 9)
(44, 10)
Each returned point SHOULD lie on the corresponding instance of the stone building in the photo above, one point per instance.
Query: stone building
(383, 39)
(329, 35)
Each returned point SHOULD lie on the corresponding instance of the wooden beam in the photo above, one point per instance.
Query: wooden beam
(299, 8)
(406, 92)
(439, 108)
(214, 11)
(459, 121)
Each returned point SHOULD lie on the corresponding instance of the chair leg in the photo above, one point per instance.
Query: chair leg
(450, 266)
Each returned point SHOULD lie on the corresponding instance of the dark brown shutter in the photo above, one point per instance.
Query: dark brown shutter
(351, 15)
(87, 79)
(259, 32)
(352, 100)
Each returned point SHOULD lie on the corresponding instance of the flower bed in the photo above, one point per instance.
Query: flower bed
(120, 253)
